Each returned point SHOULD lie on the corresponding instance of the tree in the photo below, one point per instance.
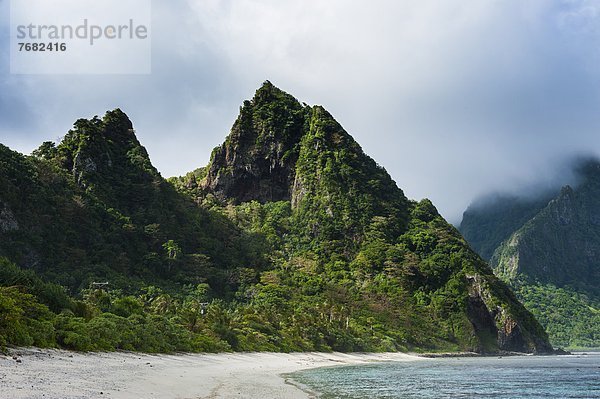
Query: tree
(46, 151)
(173, 252)
(172, 248)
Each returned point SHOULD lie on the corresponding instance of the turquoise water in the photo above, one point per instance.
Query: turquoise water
(573, 376)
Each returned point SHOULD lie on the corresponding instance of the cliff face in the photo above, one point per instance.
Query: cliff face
(503, 322)
(257, 160)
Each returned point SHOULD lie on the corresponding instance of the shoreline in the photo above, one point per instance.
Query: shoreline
(59, 374)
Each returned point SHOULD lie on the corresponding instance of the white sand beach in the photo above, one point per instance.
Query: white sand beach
(57, 374)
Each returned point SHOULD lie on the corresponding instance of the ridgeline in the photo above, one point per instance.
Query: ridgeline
(291, 239)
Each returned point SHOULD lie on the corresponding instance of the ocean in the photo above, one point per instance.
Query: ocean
(570, 376)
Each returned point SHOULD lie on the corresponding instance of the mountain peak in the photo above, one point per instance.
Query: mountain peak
(588, 169)
(269, 94)
(265, 90)
(117, 121)
(257, 159)
(275, 145)
(105, 157)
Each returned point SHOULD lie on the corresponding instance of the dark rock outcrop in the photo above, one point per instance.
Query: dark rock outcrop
(497, 321)
(257, 160)
(7, 219)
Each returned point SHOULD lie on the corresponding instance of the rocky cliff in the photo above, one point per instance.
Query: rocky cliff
(257, 160)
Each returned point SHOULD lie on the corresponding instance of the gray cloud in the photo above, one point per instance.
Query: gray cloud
(455, 98)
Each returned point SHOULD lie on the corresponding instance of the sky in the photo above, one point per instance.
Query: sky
(454, 98)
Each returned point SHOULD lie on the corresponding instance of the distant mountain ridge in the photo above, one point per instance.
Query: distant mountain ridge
(290, 239)
(552, 252)
(489, 221)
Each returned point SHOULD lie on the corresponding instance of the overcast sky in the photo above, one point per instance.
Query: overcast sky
(454, 98)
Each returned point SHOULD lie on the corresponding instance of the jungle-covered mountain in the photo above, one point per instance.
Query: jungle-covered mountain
(491, 220)
(551, 256)
(290, 239)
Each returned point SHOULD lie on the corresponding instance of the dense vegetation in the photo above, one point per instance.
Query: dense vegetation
(551, 258)
(41, 314)
(291, 239)
(571, 318)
